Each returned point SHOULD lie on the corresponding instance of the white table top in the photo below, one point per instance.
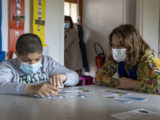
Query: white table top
(93, 107)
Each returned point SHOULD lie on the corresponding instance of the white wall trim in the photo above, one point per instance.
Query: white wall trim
(61, 48)
(5, 25)
(124, 13)
(139, 15)
(159, 33)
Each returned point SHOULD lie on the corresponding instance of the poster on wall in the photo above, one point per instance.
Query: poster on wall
(16, 23)
(39, 19)
(2, 53)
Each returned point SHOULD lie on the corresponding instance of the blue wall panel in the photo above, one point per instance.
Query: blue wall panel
(2, 53)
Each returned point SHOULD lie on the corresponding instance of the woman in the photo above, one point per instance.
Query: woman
(132, 64)
(73, 57)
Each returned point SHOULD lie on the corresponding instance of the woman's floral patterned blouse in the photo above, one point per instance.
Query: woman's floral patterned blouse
(148, 73)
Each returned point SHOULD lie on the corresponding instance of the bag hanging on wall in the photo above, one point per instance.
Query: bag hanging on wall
(100, 58)
(85, 80)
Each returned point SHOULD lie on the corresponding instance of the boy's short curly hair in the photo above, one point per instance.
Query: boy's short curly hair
(28, 43)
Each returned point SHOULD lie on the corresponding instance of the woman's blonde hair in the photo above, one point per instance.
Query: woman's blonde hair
(132, 41)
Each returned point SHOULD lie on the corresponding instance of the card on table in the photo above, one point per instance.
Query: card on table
(137, 114)
(136, 98)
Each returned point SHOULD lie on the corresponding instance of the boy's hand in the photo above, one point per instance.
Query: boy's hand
(42, 90)
(57, 79)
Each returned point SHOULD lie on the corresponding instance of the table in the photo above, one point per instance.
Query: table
(93, 107)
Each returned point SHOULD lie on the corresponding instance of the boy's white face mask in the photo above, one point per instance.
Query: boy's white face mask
(119, 55)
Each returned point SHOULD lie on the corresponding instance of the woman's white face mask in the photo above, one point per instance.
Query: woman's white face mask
(119, 55)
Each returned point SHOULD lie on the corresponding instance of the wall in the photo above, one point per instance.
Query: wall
(148, 17)
(55, 28)
(99, 18)
(130, 11)
(54, 31)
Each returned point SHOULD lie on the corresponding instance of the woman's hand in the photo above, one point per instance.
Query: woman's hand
(42, 90)
(128, 83)
(57, 79)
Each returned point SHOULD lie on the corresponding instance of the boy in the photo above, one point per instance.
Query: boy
(33, 73)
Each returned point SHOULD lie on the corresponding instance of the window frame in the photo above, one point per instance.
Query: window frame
(80, 7)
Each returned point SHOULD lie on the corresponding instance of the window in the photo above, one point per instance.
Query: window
(71, 9)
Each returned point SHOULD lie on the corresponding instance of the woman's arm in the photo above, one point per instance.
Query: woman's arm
(128, 83)
(105, 73)
(149, 73)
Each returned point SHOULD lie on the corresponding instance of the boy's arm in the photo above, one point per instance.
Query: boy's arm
(56, 68)
(12, 88)
(6, 84)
